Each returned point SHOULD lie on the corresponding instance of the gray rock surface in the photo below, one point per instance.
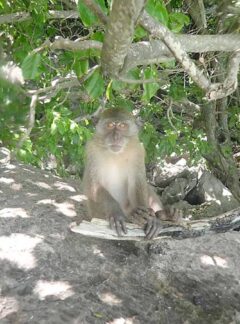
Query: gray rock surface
(194, 188)
(50, 275)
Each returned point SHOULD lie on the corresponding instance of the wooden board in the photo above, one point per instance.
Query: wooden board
(100, 228)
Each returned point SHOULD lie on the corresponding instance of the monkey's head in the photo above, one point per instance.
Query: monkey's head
(115, 128)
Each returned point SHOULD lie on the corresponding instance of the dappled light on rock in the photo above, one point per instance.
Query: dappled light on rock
(122, 320)
(64, 186)
(18, 249)
(66, 208)
(110, 299)
(79, 198)
(41, 184)
(8, 305)
(59, 289)
(16, 186)
(6, 180)
(14, 212)
(97, 251)
(214, 261)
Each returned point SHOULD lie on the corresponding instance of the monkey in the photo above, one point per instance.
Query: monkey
(114, 179)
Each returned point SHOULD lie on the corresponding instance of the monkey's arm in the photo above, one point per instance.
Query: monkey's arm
(102, 205)
(112, 210)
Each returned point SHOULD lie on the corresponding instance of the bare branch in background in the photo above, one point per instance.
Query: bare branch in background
(197, 11)
(77, 45)
(60, 84)
(213, 91)
(155, 51)
(159, 31)
(229, 85)
(23, 16)
(95, 114)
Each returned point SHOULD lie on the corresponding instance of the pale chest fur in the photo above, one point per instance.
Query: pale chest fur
(114, 174)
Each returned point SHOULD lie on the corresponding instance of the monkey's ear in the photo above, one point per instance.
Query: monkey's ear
(96, 115)
(95, 120)
(139, 123)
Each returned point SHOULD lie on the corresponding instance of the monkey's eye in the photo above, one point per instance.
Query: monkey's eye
(110, 125)
(122, 125)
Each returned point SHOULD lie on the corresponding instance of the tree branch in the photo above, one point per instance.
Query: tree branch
(77, 45)
(229, 85)
(160, 31)
(119, 34)
(197, 12)
(213, 91)
(144, 53)
(61, 83)
(31, 122)
(23, 16)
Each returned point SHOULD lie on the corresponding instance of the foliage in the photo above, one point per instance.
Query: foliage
(55, 132)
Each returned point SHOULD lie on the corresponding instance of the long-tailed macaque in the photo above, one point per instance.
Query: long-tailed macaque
(115, 178)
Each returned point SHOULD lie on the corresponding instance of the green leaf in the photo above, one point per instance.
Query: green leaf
(95, 85)
(99, 36)
(87, 17)
(81, 67)
(30, 66)
(61, 127)
(140, 33)
(53, 128)
(177, 21)
(176, 91)
(150, 88)
(158, 10)
(109, 90)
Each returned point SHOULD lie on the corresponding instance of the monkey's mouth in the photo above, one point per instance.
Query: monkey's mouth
(115, 148)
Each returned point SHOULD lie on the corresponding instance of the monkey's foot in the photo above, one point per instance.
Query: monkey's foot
(146, 217)
(141, 214)
(170, 213)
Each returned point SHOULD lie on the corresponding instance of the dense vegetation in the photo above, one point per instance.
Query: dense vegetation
(61, 61)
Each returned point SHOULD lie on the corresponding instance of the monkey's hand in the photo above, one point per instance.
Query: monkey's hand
(117, 223)
(146, 216)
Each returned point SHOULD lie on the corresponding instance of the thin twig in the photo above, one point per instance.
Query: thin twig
(95, 114)
(31, 122)
(169, 112)
(63, 83)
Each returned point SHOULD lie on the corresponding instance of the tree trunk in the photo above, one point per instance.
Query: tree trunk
(219, 157)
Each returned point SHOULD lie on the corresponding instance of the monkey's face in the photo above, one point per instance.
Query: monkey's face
(116, 133)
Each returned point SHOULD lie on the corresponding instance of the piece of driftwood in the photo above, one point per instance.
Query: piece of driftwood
(100, 228)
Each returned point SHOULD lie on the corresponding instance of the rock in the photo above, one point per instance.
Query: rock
(51, 275)
(4, 156)
(175, 191)
(197, 275)
(215, 197)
